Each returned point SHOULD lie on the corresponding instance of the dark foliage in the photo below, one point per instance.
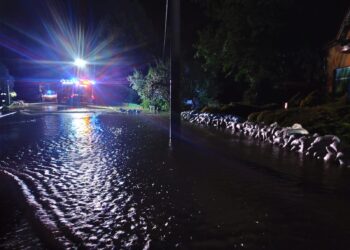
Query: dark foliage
(259, 44)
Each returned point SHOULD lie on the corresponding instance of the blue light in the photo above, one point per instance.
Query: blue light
(189, 102)
(70, 81)
(75, 80)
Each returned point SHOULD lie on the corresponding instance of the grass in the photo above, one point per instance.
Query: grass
(323, 119)
(238, 109)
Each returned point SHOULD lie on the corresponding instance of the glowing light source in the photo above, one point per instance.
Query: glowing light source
(50, 95)
(80, 63)
(85, 82)
(345, 48)
(69, 81)
(13, 94)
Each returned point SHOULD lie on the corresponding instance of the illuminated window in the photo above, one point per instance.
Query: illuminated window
(342, 80)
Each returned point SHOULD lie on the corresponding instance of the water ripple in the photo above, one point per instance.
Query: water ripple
(79, 177)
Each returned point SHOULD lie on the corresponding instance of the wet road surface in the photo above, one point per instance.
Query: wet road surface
(111, 181)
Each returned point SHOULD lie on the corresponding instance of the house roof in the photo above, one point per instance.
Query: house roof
(344, 26)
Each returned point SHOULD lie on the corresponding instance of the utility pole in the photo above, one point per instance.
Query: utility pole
(175, 57)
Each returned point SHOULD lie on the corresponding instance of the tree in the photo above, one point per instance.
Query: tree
(196, 85)
(260, 42)
(153, 88)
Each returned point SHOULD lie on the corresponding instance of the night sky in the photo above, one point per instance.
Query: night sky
(24, 23)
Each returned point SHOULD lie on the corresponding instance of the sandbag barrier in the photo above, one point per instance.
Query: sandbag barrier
(295, 138)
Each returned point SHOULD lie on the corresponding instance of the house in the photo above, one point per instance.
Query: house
(338, 60)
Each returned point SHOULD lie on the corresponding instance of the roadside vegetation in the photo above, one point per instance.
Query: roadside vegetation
(262, 69)
(152, 87)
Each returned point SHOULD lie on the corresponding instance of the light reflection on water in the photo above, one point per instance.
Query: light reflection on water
(81, 124)
(109, 181)
(79, 171)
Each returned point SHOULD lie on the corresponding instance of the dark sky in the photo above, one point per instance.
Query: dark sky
(22, 24)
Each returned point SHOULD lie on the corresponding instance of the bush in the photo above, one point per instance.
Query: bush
(238, 109)
(343, 100)
(315, 98)
(145, 103)
(271, 106)
(253, 117)
(153, 87)
(295, 100)
(210, 109)
(266, 117)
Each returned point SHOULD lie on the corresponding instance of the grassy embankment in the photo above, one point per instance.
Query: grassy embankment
(331, 118)
(323, 119)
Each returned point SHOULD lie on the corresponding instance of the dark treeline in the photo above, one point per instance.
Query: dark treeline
(254, 51)
(257, 49)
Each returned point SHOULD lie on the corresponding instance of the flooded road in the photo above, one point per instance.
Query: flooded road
(107, 181)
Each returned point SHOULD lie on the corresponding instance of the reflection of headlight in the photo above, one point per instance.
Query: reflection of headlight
(50, 96)
(81, 124)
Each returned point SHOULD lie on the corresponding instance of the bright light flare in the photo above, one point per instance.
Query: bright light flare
(81, 82)
(66, 46)
(80, 63)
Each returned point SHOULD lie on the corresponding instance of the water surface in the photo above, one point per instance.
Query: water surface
(111, 181)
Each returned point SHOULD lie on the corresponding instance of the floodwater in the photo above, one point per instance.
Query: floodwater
(89, 180)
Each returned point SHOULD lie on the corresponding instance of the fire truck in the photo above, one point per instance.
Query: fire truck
(76, 91)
